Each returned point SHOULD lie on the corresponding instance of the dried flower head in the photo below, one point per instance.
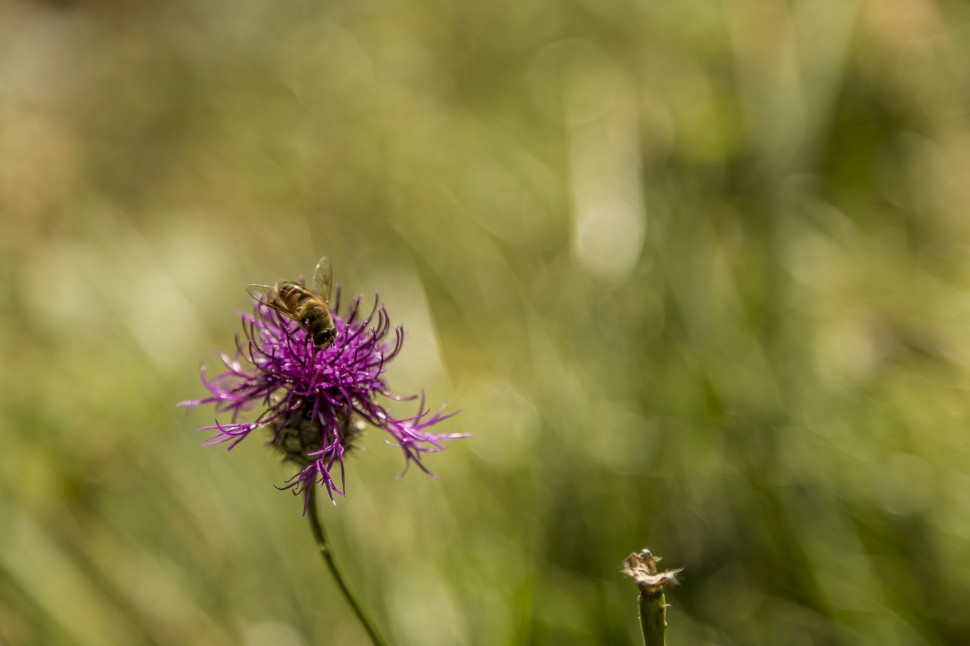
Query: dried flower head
(316, 401)
(642, 567)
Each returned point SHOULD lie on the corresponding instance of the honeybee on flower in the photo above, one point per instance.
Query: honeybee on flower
(320, 374)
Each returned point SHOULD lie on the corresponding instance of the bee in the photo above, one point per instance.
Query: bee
(308, 307)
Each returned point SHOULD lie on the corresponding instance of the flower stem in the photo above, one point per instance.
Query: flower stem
(653, 617)
(642, 567)
(327, 554)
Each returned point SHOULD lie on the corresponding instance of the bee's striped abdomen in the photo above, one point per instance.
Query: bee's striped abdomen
(293, 294)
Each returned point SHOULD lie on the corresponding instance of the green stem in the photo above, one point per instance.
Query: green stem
(327, 554)
(653, 617)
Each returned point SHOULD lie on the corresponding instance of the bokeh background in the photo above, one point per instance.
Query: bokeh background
(697, 274)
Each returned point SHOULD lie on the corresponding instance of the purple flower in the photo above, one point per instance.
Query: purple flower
(316, 401)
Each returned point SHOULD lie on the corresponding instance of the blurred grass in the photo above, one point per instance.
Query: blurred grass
(697, 273)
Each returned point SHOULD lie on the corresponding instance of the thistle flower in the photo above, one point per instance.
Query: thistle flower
(317, 401)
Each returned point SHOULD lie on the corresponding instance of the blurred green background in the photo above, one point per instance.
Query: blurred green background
(697, 273)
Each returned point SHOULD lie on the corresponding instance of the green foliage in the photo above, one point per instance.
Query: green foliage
(697, 274)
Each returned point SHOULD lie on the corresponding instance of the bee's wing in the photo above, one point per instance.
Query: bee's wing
(323, 279)
(262, 293)
(266, 295)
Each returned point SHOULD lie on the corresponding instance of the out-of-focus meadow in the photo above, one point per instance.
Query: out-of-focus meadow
(696, 273)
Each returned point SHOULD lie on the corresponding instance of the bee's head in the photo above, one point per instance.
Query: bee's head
(324, 338)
